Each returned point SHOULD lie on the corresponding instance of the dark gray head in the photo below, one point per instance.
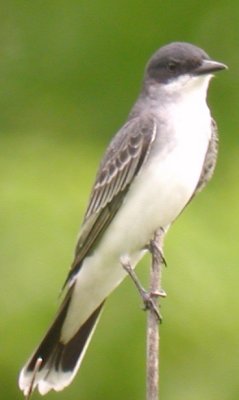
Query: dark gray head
(177, 59)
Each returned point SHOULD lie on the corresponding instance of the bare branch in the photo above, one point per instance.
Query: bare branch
(151, 303)
(152, 320)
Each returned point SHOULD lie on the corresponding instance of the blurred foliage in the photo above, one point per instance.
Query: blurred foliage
(69, 73)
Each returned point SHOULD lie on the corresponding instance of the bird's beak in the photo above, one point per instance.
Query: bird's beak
(209, 66)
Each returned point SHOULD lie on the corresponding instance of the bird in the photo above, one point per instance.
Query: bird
(164, 154)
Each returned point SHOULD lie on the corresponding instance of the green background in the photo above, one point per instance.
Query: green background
(69, 73)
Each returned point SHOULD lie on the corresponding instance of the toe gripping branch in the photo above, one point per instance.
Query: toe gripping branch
(150, 296)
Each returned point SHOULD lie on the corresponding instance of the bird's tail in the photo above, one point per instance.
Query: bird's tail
(55, 363)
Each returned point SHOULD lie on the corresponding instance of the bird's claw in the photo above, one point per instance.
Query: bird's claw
(150, 304)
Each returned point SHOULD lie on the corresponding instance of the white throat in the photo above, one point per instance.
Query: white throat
(183, 89)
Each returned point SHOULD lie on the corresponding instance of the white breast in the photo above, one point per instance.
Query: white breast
(167, 181)
(157, 195)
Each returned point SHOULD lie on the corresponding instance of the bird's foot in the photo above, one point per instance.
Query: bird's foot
(150, 302)
(156, 252)
(149, 297)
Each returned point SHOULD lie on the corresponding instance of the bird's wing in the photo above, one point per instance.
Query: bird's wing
(122, 162)
(210, 159)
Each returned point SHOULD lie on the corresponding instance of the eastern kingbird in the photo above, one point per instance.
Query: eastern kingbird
(164, 154)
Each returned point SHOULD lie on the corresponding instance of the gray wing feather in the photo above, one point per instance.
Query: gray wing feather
(122, 162)
(210, 159)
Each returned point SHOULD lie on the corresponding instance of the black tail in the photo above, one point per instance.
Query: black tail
(54, 363)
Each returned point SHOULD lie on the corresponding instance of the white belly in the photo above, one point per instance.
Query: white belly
(163, 187)
(156, 197)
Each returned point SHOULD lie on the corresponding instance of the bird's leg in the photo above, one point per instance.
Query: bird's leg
(156, 252)
(155, 248)
(35, 371)
(147, 296)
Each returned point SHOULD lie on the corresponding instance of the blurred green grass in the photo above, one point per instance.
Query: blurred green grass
(69, 73)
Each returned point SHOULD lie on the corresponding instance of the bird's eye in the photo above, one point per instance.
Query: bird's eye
(171, 66)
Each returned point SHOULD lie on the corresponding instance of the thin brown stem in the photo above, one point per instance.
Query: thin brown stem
(152, 320)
